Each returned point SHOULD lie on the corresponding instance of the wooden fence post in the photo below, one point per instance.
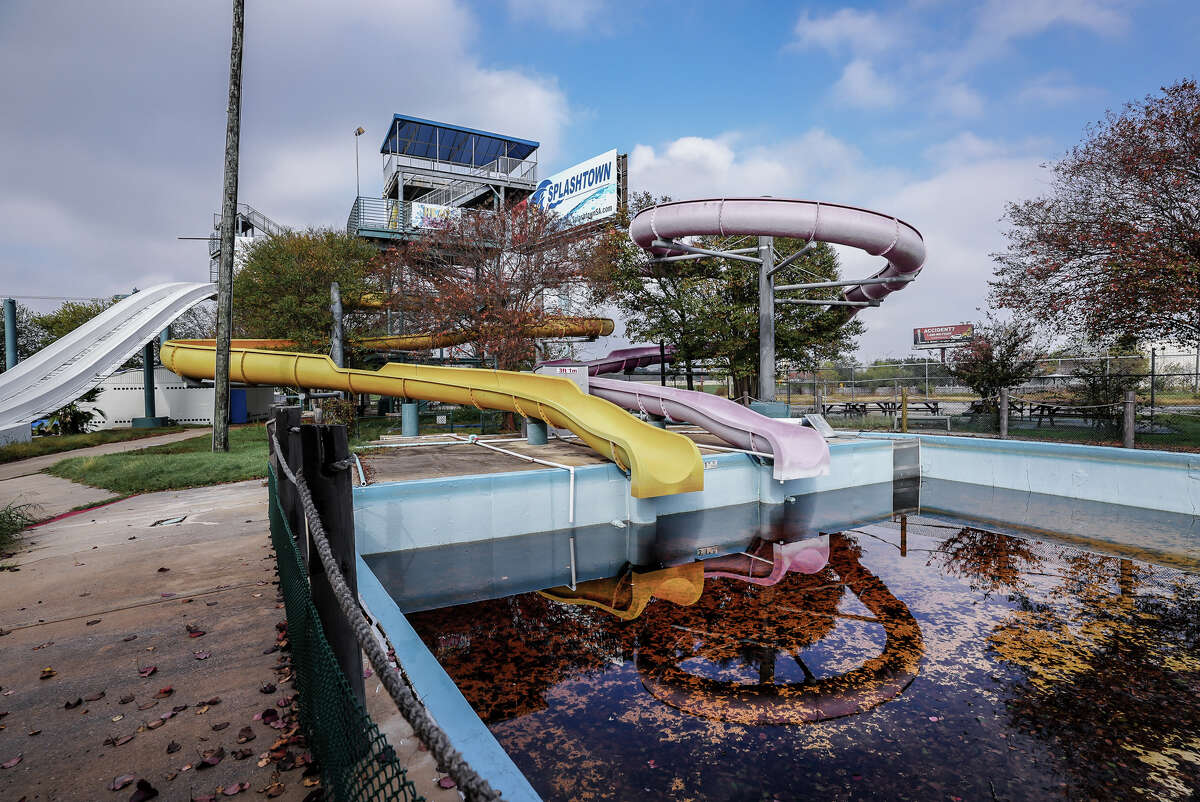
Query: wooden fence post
(287, 432)
(332, 494)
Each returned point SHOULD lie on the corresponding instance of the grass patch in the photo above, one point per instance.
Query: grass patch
(14, 518)
(187, 463)
(54, 444)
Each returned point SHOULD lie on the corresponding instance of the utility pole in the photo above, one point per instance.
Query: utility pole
(766, 320)
(233, 125)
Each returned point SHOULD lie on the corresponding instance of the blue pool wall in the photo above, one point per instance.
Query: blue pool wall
(437, 512)
(1155, 480)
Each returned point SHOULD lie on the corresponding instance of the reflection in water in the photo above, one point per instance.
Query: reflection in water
(785, 623)
(1044, 671)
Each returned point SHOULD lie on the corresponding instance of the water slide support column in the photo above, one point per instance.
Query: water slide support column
(409, 419)
(537, 432)
(150, 420)
(766, 321)
(10, 333)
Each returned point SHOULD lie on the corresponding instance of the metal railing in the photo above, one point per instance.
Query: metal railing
(379, 214)
(503, 167)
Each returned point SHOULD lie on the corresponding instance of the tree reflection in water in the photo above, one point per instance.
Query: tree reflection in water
(1045, 672)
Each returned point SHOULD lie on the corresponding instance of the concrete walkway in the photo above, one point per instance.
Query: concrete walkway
(103, 596)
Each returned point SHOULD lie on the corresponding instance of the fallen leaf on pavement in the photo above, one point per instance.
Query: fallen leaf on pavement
(95, 697)
(241, 754)
(218, 727)
(202, 655)
(235, 789)
(163, 570)
(120, 782)
(147, 671)
(267, 687)
(147, 705)
(8, 764)
(72, 705)
(211, 758)
(173, 747)
(273, 790)
(163, 693)
(124, 739)
(128, 638)
(126, 699)
(445, 782)
(93, 622)
(155, 724)
(47, 673)
(245, 735)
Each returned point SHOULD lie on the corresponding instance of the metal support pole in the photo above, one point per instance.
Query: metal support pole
(233, 127)
(163, 336)
(10, 334)
(818, 399)
(336, 352)
(332, 495)
(1153, 361)
(1127, 428)
(148, 378)
(1003, 413)
(662, 363)
(766, 321)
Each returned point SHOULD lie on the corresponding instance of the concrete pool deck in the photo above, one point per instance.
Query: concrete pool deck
(87, 583)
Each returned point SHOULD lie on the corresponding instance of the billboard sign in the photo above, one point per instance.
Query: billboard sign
(430, 215)
(581, 194)
(943, 336)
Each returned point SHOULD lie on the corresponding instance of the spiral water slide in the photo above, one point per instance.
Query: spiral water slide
(69, 367)
(659, 462)
(659, 228)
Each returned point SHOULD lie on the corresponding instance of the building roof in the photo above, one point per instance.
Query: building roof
(426, 139)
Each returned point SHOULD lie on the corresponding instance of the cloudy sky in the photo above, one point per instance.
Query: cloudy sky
(112, 114)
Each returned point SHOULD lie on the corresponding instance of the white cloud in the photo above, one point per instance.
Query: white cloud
(1011, 19)
(563, 15)
(958, 100)
(848, 29)
(1054, 88)
(861, 86)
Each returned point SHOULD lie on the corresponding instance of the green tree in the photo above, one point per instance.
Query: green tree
(282, 289)
(708, 308)
(52, 326)
(1001, 354)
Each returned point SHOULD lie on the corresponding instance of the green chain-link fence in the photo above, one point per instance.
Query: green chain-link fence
(357, 763)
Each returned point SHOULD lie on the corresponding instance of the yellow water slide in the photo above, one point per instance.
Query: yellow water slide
(551, 327)
(659, 462)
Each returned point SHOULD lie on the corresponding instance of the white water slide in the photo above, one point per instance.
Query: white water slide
(61, 372)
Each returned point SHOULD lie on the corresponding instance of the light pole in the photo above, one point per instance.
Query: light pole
(357, 187)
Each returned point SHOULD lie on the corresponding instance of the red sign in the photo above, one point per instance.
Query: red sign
(943, 336)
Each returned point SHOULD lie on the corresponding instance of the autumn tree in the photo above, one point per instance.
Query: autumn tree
(1000, 354)
(282, 289)
(708, 308)
(1113, 249)
(493, 274)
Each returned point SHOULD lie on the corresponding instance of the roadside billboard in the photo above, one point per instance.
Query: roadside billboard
(943, 336)
(581, 194)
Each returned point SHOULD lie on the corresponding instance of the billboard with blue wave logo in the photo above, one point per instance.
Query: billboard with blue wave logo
(581, 194)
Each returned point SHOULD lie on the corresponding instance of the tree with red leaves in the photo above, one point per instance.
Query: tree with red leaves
(1113, 250)
(492, 273)
(1000, 354)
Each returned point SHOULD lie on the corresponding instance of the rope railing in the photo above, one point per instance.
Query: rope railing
(435, 739)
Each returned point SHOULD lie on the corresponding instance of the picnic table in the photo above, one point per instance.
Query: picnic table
(887, 407)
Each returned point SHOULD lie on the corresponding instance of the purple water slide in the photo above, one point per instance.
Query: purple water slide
(799, 452)
(877, 234)
(620, 360)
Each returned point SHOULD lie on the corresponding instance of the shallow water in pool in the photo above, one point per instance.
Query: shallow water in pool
(903, 657)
